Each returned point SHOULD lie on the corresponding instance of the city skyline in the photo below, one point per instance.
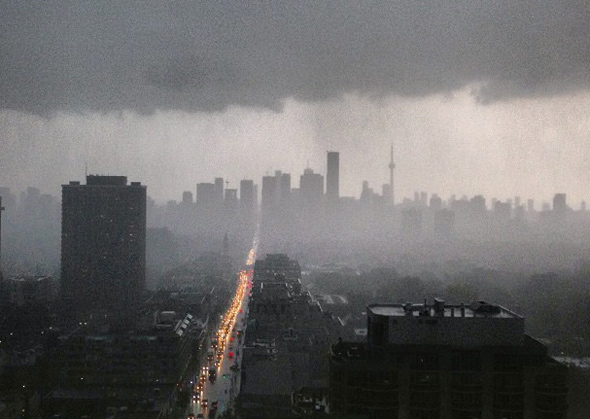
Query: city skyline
(502, 165)
(483, 98)
(302, 176)
(191, 195)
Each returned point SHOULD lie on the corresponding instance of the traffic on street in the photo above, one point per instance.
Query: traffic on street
(218, 380)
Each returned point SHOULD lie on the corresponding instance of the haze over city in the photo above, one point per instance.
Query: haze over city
(485, 98)
(288, 209)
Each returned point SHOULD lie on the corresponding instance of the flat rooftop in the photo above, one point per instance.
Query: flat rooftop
(479, 309)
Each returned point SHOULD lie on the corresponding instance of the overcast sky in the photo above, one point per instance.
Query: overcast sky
(476, 96)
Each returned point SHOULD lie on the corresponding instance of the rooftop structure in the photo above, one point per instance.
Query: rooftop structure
(441, 324)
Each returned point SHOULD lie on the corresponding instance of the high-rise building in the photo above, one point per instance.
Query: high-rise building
(187, 198)
(269, 193)
(448, 362)
(247, 196)
(231, 200)
(311, 187)
(218, 192)
(103, 243)
(205, 195)
(284, 182)
(333, 176)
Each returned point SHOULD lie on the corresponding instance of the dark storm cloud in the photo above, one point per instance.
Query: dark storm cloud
(208, 54)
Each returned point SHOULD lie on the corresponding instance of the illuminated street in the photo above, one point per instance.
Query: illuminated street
(218, 382)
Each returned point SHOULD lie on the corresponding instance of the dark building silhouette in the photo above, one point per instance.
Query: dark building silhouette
(206, 195)
(333, 176)
(269, 195)
(311, 189)
(435, 202)
(266, 269)
(187, 198)
(447, 362)
(502, 210)
(284, 193)
(231, 201)
(559, 203)
(30, 290)
(218, 192)
(247, 196)
(103, 243)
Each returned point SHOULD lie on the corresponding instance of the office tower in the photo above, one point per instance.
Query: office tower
(218, 192)
(435, 202)
(447, 362)
(269, 196)
(366, 197)
(284, 183)
(502, 210)
(187, 198)
(103, 244)
(311, 189)
(247, 197)
(478, 205)
(230, 202)
(559, 204)
(205, 195)
(333, 176)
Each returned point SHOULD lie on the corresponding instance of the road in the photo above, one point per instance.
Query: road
(212, 396)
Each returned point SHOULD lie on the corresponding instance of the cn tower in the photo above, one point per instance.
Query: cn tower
(391, 167)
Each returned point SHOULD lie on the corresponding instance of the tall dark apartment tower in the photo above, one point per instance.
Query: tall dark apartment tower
(1, 277)
(333, 176)
(103, 243)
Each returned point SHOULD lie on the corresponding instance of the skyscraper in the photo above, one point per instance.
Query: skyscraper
(269, 193)
(311, 187)
(103, 243)
(247, 196)
(218, 192)
(205, 195)
(333, 176)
